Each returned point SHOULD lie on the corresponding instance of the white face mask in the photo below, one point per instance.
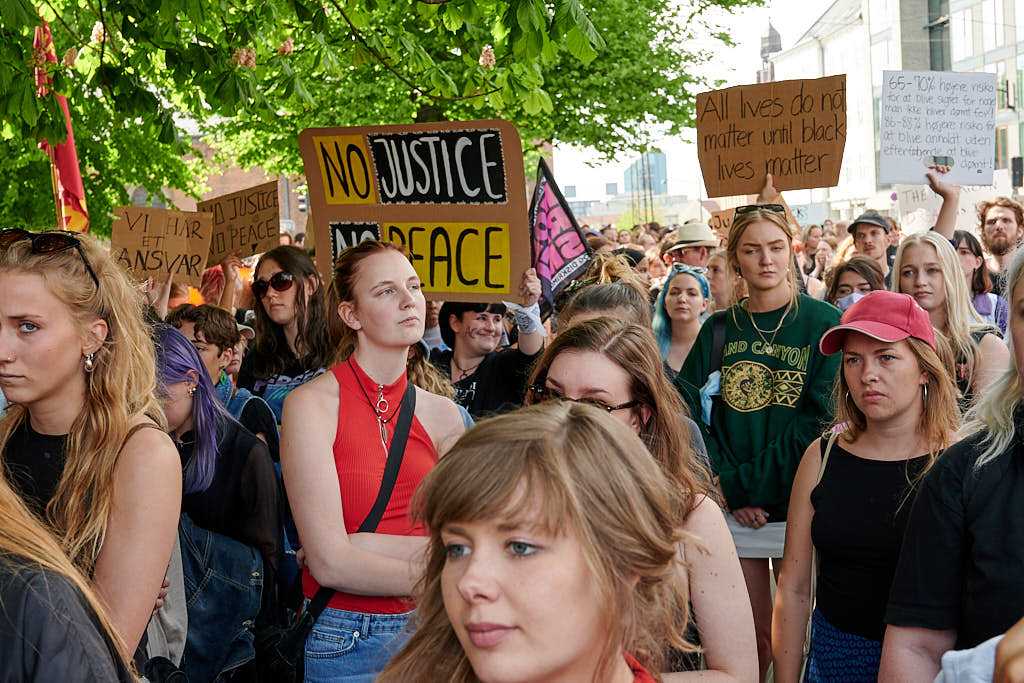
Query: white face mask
(848, 300)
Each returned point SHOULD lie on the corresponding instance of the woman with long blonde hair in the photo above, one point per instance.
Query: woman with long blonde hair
(82, 440)
(895, 413)
(53, 626)
(762, 394)
(958, 582)
(616, 368)
(558, 560)
(928, 269)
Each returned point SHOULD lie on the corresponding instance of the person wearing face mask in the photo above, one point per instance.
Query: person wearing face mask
(569, 569)
(616, 368)
(488, 379)
(678, 314)
(992, 308)
(895, 413)
(851, 281)
(356, 443)
(294, 341)
(764, 398)
(231, 491)
(929, 270)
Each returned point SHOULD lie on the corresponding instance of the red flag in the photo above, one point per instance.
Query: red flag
(68, 191)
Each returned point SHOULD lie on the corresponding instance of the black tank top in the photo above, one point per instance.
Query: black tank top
(35, 463)
(861, 509)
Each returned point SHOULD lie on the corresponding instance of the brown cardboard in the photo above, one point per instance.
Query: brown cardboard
(160, 242)
(795, 130)
(246, 222)
(721, 221)
(452, 192)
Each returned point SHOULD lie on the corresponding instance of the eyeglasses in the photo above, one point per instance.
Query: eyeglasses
(543, 393)
(280, 281)
(751, 208)
(47, 243)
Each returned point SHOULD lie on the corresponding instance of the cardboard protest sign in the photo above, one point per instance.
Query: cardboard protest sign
(559, 251)
(246, 222)
(451, 193)
(795, 130)
(158, 243)
(943, 118)
(919, 207)
(721, 221)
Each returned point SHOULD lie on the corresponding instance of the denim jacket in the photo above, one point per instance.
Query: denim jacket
(223, 588)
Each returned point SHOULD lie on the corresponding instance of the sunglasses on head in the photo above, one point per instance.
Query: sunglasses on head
(280, 281)
(751, 208)
(46, 243)
(542, 393)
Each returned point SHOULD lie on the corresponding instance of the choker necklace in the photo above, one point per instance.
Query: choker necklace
(380, 408)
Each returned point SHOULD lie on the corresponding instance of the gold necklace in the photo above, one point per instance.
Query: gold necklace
(769, 345)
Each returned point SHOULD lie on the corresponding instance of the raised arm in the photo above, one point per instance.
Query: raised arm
(311, 480)
(945, 223)
(141, 531)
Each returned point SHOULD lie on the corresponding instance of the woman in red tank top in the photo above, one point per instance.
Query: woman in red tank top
(336, 433)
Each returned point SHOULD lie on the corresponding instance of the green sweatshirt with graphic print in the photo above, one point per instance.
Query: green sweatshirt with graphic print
(775, 399)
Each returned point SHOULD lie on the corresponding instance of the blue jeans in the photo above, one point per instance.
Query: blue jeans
(352, 647)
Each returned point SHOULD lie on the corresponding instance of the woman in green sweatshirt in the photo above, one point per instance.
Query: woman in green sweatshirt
(770, 400)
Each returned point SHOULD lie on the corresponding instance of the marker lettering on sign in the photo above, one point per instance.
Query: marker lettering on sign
(457, 257)
(345, 169)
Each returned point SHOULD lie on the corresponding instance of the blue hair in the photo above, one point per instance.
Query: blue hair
(662, 324)
(178, 361)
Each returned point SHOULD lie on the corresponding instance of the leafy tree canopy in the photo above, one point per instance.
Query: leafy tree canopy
(144, 78)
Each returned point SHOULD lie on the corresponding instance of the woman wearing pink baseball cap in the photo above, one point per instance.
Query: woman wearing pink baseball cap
(896, 411)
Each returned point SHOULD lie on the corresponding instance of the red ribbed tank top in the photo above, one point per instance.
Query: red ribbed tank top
(359, 460)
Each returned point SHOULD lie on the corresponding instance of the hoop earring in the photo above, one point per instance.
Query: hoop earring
(925, 394)
(90, 364)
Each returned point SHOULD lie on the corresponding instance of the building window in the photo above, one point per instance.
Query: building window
(1018, 19)
(993, 27)
(1002, 152)
(569, 191)
(1002, 86)
(611, 188)
(963, 36)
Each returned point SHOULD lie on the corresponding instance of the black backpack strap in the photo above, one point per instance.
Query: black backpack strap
(717, 342)
(396, 452)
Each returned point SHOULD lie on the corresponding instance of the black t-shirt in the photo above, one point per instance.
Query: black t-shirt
(35, 464)
(999, 283)
(861, 508)
(962, 563)
(258, 418)
(497, 385)
(242, 500)
(48, 632)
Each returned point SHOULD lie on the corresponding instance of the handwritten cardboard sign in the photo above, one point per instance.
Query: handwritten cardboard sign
(942, 118)
(159, 243)
(559, 251)
(451, 193)
(919, 206)
(795, 130)
(246, 222)
(721, 220)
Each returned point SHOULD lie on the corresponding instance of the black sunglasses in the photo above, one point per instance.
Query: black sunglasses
(280, 281)
(751, 208)
(543, 393)
(45, 243)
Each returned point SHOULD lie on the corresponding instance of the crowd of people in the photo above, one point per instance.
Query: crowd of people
(780, 451)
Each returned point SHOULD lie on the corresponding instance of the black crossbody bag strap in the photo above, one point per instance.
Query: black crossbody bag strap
(387, 485)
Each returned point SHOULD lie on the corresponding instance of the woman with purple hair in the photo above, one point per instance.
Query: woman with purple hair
(230, 486)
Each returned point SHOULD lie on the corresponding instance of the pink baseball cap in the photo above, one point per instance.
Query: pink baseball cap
(885, 316)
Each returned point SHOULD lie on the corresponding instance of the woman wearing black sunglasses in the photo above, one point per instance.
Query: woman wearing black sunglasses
(293, 342)
(617, 367)
(82, 441)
